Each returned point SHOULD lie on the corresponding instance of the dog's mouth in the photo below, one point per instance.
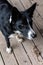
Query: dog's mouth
(30, 35)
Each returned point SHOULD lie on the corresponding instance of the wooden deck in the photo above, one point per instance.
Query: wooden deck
(28, 52)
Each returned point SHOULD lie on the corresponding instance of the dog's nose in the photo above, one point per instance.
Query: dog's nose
(34, 35)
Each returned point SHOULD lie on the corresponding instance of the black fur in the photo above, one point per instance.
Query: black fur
(7, 10)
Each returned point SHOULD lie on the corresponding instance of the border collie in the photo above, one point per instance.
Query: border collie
(14, 21)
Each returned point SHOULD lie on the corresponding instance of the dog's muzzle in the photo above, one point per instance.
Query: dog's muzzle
(31, 34)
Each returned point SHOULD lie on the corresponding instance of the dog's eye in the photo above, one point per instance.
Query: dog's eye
(21, 26)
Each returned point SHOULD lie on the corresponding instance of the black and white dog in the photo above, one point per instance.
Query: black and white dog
(13, 21)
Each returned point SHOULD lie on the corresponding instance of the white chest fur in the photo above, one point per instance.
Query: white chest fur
(10, 20)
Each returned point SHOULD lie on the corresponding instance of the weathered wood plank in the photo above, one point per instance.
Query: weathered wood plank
(39, 41)
(39, 6)
(17, 4)
(39, 21)
(20, 53)
(29, 46)
(26, 3)
(1, 62)
(8, 58)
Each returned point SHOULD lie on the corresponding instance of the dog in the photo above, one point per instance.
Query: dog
(13, 21)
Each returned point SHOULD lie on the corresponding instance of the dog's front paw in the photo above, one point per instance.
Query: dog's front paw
(8, 50)
(19, 39)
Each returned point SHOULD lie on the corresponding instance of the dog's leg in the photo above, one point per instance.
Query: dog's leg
(8, 49)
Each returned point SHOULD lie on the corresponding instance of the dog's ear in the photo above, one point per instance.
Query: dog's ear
(15, 13)
(30, 11)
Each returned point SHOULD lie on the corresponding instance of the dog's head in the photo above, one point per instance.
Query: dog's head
(23, 25)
